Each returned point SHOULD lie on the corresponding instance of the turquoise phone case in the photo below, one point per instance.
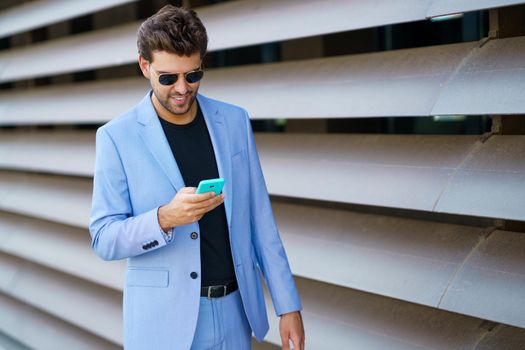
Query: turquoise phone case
(210, 185)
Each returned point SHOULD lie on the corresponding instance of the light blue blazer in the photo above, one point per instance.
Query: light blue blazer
(135, 173)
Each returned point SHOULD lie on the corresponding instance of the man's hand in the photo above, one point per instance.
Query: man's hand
(291, 327)
(187, 207)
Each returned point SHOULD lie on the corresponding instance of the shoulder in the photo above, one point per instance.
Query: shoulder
(225, 108)
(121, 124)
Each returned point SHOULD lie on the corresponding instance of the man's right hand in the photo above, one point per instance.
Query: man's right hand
(187, 207)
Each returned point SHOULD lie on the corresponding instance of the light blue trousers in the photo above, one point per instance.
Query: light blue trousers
(222, 324)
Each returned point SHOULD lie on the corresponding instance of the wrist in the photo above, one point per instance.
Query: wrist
(163, 219)
(291, 313)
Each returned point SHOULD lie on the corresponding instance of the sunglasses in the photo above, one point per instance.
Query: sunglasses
(191, 77)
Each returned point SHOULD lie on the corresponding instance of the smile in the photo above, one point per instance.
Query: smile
(180, 99)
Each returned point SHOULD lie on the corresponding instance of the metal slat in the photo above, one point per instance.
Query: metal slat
(490, 182)
(382, 170)
(233, 24)
(8, 343)
(449, 174)
(391, 83)
(70, 54)
(340, 318)
(53, 198)
(491, 283)
(44, 12)
(401, 250)
(446, 7)
(490, 81)
(351, 86)
(62, 248)
(413, 83)
(250, 22)
(70, 299)
(42, 331)
(406, 275)
(445, 266)
(335, 316)
(411, 260)
(345, 86)
(95, 102)
(66, 153)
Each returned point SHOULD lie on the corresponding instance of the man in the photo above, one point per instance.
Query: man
(192, 280)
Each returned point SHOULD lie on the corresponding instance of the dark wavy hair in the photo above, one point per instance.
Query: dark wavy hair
(172, 29)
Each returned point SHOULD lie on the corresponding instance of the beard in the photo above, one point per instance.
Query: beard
(167, 102)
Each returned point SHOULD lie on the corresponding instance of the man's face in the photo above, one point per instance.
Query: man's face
(177, 99)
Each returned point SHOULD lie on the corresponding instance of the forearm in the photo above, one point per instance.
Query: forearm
(114, 237)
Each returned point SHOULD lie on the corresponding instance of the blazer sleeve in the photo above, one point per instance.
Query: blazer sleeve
(267, 243)
(115, 233)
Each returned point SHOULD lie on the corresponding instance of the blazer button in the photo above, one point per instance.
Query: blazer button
(194, 235)
(155, 243)
(194, 275)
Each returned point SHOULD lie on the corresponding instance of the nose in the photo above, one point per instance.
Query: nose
(181, 86)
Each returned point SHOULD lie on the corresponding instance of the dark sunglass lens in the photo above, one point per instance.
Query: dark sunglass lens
(168, 79)
(193, 77)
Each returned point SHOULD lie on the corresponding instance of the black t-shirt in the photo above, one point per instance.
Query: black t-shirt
(193, 150)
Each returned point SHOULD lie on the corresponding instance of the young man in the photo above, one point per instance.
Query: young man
(192, 280)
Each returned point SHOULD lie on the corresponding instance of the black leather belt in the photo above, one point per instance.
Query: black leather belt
(219, 291)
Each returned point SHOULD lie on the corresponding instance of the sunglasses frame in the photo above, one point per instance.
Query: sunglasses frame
(177, 76)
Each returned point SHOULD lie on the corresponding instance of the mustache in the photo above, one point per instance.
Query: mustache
(190, 93)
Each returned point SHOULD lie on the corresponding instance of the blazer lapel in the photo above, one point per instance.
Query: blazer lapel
(154, 138)
(221, 146)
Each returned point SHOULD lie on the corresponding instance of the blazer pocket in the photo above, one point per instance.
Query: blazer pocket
(147, 278)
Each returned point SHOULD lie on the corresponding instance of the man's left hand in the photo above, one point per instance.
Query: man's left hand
(291, 327)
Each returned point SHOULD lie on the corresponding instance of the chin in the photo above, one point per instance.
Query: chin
(180, 109)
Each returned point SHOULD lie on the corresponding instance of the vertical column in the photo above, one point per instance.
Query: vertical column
(508, 22)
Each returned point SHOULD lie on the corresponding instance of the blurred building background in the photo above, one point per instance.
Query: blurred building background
(391, 134)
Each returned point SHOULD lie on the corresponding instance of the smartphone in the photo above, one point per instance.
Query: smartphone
(210, 185)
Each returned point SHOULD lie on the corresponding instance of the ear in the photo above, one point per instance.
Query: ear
(144, 67)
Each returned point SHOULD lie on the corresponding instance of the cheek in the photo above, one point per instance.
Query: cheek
(161, 89)
(194, 87)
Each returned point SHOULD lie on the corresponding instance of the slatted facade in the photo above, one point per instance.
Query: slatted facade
(397, 240)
